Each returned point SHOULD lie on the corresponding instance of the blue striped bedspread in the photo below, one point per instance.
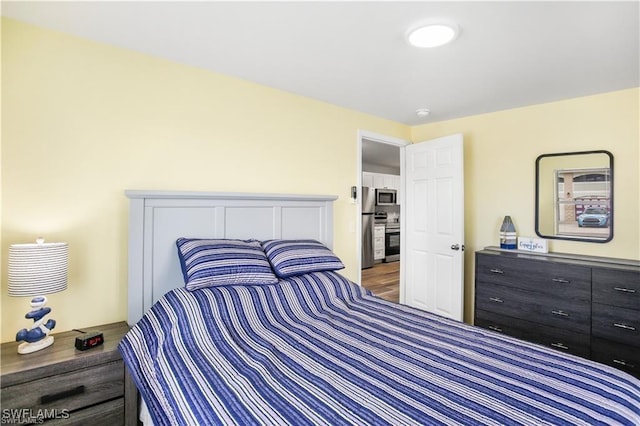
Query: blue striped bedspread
(319, 350)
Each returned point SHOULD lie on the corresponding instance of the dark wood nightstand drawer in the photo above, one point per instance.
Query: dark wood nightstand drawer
(623, 357)
(108, 414)
(569, 314)
(70, 391)
(567, 281)
(617, 324)
(616, 288)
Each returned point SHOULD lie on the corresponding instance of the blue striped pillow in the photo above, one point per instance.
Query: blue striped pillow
(297, 257)
(207, 263)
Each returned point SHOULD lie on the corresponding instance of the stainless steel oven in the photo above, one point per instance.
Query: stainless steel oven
(392, 242)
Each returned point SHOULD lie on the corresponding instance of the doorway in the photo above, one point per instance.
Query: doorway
(380, 165)
(383, 280)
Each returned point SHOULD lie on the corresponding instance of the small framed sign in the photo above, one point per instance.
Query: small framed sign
(537, 245)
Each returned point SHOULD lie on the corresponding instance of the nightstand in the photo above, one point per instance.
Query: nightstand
(63, 385)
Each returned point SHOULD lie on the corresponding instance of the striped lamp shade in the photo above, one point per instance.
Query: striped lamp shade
(39, 268)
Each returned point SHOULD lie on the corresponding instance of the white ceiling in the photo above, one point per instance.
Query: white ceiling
(376, 155)
(354, 54)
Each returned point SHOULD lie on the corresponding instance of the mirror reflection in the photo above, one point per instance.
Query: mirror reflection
(574, 196)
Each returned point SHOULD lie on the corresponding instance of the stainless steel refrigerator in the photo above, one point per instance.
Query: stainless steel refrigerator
(368, 211)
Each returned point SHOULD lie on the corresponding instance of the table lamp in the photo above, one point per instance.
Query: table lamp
(35, 270)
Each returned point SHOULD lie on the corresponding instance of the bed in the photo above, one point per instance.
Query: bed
(308, 346)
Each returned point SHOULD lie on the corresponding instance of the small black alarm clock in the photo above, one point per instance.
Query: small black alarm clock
(89, 340)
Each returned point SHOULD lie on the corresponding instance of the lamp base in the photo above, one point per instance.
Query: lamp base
(37, 337)
(27, 348)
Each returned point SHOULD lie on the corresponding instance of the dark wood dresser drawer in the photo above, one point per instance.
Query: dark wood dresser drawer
(500, 323)
(564, 341)
(624, 357)
(569, 314)
(617, 324)
(585, 305)
(570, 281)
(616, 288)
(560, 339)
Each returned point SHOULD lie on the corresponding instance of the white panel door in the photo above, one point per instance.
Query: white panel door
(434, 228)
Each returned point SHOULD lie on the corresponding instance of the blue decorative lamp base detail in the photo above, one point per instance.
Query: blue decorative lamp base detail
(37, 337)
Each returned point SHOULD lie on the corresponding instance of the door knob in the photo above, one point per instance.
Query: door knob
(455, 247)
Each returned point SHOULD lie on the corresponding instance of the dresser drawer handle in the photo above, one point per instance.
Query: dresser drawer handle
(496, 271)
(625, 326)
(496, 299)
(495, 328)
(560, 313)
(47, 399)
(625, 290)
(560, 280)
(560, 346)
(623, 362)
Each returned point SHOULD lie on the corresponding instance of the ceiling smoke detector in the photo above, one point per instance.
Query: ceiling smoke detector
(432, 35)
(423, 112)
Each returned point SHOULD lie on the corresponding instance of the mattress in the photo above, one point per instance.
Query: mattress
(317, 349)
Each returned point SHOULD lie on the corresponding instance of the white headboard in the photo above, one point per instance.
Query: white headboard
(158, 218)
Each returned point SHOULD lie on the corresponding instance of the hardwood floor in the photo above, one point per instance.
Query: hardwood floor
(383, 280)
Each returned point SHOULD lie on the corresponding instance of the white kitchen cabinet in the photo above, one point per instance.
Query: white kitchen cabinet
(378, 242)
(378, 180)
(367, 179)
(391, 181)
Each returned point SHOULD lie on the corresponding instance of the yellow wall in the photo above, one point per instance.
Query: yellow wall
(500, 150)
(84, 121)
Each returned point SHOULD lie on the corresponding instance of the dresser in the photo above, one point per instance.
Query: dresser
(62, 385)
(584, 305)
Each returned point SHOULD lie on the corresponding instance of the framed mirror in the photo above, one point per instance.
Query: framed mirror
(574, 196)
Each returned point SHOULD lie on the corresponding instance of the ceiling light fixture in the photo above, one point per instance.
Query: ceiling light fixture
(432, 35)
(423, 112)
